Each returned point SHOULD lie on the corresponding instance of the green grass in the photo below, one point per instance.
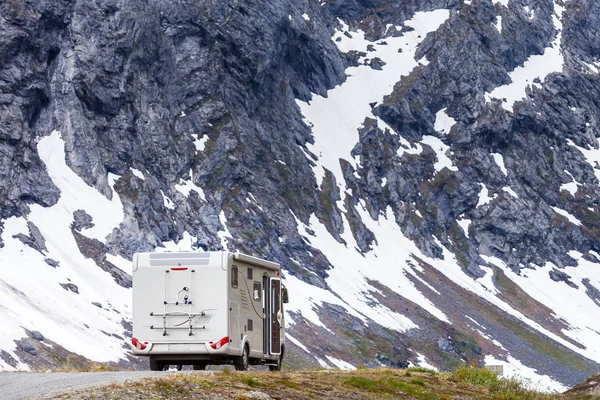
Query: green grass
(476, 376)
(362, 383)
(423, 369)
(499, 388)
(250, 381)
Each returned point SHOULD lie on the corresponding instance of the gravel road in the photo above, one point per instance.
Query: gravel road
(35, 385)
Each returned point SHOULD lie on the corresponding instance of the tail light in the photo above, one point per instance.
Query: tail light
(220, 343)
(138, 345)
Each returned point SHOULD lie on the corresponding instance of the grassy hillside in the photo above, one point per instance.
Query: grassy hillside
(368, 384)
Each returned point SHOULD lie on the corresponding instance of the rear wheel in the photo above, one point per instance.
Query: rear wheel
(199, 367)
(241, 363)
(156, 365)
(276, 367)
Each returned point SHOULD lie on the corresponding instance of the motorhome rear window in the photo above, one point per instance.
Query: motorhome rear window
(234, 276)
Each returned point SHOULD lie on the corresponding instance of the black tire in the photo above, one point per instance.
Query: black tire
(199, 367)
(241, 363)
(278, 366)
(179, 367)
(155, 365)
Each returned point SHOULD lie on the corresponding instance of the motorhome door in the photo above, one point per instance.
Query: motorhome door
(275, 316)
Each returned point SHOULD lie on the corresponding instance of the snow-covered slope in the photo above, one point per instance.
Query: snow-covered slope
(71, 299)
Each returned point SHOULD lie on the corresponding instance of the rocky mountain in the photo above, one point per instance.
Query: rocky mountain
(426, 172)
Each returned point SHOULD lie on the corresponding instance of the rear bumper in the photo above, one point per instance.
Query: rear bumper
(197, 348)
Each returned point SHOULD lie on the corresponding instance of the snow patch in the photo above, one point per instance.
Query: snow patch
(570, 187)
(224, 234)
(484, 197)
(422, 362)
(443, 122)
(498, 23)
(567, 215)
(487, 281)
(529, 12)
(441, 150)
(296, 341)
(530, 378)
(499, 159)
(509, 190)
(186, 243)
(200, 141)
(591, 156)
(76, 194)
(464, 224)
(167, 202)
(185, 187)
(138, 173)
(594, 68)
(501, 2)
(341, 364)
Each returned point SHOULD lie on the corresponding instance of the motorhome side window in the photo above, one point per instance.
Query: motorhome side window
(234, 276)
(249, 273)
(256, 291)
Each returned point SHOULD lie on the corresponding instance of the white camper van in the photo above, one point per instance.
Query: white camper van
(200, 308)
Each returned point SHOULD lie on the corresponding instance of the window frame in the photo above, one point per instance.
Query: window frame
(254, 298)
(234, 277)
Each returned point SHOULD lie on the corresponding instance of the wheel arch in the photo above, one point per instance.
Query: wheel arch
(245, 342)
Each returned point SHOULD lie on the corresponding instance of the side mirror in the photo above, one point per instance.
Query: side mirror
(284, 295)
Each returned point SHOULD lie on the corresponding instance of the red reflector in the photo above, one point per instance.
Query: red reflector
(178, 269)
(138, 345)
(220, 343)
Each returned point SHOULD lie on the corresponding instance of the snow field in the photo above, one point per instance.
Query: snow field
(29, 304)
(529, 377)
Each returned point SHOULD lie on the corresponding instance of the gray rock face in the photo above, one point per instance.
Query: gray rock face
(35, 239)
(445, 344)
(51, 262)
(28, 348)
(70, 287)
(82, 220)
(28, 43)
(95, 250)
